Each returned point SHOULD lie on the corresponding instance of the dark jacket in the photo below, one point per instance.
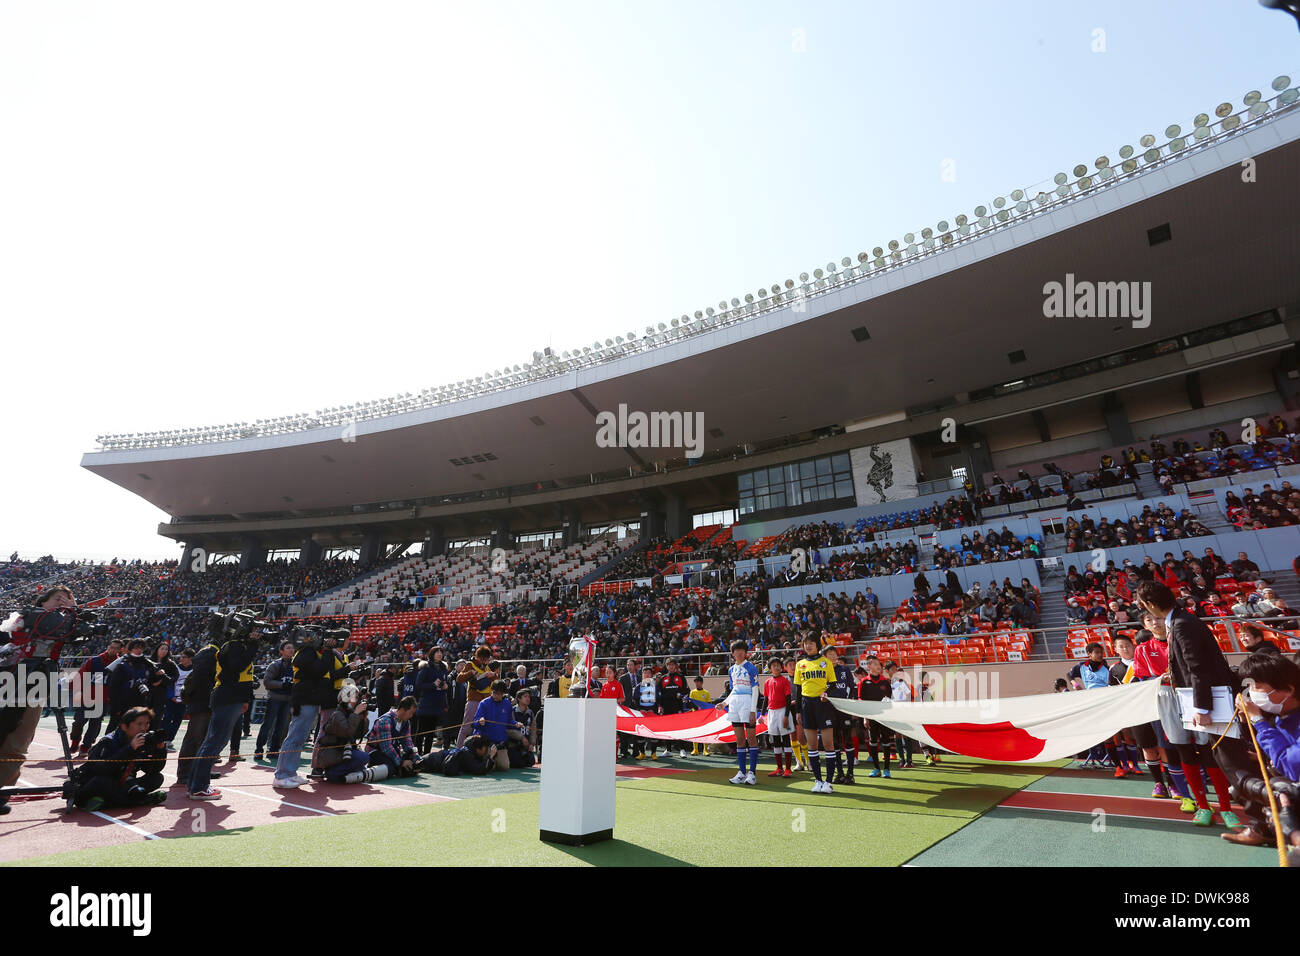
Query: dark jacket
(197, 692)
(453, 763)
(311, 681)
(112, 757)
(130, 684)
(431, 698)
(1195, 660)
(234, 674)
(384, 694)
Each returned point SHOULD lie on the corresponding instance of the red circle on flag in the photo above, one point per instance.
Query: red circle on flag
(1001, 741)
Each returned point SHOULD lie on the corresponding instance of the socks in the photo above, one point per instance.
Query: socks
(741, 754)
(874, 754)
(1177, 779)
(815, 758)
(1193, 775)
(1220, 782)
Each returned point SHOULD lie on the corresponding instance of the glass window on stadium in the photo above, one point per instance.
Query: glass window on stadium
(547, 538)
(619, 530)
(811, 482)
(468, 543)
(342, 554)
(284, 555)
(727, 517)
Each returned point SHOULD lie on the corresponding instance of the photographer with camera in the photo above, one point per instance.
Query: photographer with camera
(341, 755)
(135, 681)
(339, 670)
(477, 756)
(312, 690)
(1270, 703)
(35, 639)
(97, 702)
(239, 634)
(278, 681)
(124, 769)
(196, 695)
(390, 740)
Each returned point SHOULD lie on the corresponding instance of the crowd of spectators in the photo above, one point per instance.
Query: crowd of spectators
(1269, 508)
(1154, 524)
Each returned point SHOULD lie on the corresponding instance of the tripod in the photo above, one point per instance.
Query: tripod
(69, 787)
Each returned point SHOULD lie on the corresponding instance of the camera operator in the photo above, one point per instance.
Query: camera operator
(345, 726)
(174, 710)
(385, 691)
(1271, 705)
(278, 681)
(35, 638)
(132, 681)
(477, 756)
(232, 694)
(390, 740)
(338, 670)
(124, 769)
(313, 689)
(196, 695)
(97, 702)
(521, 750)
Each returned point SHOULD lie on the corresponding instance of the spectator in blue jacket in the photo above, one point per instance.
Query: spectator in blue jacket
(494, 719)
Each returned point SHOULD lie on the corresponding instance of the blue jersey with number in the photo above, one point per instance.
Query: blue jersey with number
(744, 679)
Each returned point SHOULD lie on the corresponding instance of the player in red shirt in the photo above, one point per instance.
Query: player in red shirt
(780, 724)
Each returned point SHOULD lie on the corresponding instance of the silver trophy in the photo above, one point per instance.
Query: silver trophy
(582, 655)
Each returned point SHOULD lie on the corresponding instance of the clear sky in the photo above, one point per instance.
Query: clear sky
(215, 212)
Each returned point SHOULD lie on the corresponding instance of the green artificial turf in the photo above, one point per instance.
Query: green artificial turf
(695, 819)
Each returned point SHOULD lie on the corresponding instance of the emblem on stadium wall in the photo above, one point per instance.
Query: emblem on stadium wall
(881, 475)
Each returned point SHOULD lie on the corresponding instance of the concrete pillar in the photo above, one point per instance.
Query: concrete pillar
(677, 518)
(1286, 379)
(981, 459)
(370, 547)
(1117, 423)
(572, 524)
(435, 540)
(251, 554)
(311, 551)
(193, 559)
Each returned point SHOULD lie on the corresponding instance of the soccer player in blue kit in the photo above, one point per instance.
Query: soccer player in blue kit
(742, 711)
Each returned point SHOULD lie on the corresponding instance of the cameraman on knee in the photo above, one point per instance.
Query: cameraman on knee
(124, 769)
(340, 752)
(1271, 705)
(390, 740)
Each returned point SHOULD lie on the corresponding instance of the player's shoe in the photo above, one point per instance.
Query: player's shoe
(1203, 817)
(827, 788)
(1136, 771)
(778, 772)
(874, 773)
(839, 776)
(751, 779)
(1119, 773)
(848, 779)
(886, 774)
(787, 773)
(739, 777)
(1159, 792)
(1230, 819)
(1188, 805)
(817, 786)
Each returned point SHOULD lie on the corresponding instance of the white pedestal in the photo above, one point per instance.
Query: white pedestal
(578, 781)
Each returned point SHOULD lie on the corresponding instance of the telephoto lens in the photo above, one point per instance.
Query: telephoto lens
(368, 774)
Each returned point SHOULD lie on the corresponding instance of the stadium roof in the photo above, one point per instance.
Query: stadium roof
(938, 324)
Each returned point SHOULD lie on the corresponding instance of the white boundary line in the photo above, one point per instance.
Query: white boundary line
(122, 823)
(1122, 816)
(285, 803)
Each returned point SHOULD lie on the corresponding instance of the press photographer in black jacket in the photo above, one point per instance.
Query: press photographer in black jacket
(124, 769)
(239, 635)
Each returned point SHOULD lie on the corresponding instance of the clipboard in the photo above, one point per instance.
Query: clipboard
(1223, 706)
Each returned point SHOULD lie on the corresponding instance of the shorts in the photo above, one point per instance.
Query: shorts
(1171, 721)
(740, 710)
(817, 714)
(780, 722)
(1145, 736)
(878, 734)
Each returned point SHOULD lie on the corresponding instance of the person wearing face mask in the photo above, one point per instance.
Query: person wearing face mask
(130, 680)
(1269, 702)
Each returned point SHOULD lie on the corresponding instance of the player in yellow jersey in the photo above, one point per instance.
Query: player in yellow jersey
(702, 698)
(813, 674)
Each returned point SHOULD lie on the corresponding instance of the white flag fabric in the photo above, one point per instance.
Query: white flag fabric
(1017, 729)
